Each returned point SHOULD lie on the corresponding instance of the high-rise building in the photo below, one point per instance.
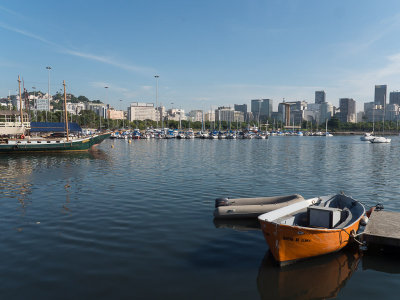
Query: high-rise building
(320, 97)
(261, 108)
(241, 107)
(256, 107)
(224, 113)
(326, 111)
(380, 95)
(394, 98)
(347, 110)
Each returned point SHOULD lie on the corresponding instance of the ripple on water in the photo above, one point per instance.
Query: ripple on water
(136, 219)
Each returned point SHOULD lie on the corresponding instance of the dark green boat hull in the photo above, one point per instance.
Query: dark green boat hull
(77, 145)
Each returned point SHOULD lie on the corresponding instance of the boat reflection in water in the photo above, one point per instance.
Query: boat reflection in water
(238, 224)
(319, 278)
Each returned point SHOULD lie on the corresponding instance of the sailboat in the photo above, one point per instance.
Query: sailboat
(326, 129)
(64, 143)
(381, 139)
(370, 136)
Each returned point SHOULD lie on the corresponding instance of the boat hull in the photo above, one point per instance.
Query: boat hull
(291, 243)
(53, 146)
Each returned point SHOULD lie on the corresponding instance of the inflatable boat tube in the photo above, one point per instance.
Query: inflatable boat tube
(254, 210)
(256, 201)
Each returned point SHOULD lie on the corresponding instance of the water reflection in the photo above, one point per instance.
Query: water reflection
(382, 262)
(319, 278)
(18, 172)
(238, 224)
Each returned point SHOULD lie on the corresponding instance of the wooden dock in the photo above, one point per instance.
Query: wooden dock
(383, 229)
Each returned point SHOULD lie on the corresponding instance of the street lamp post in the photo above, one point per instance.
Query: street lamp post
(156, 77)
(35, 102)
(123, 114)
(48, 95)
(106, 87)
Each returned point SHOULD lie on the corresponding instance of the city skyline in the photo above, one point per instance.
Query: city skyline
(215, 53)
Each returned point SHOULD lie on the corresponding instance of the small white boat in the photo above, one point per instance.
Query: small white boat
(380, 140)
(367, 137)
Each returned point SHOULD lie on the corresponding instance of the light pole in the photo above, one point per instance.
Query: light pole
(123, 114)
(101, 107)
(48, 95)
(156, 77)
(34, 99)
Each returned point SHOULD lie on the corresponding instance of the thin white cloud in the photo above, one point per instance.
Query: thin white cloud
(372, 35)
(109, 61)
(125, 93)
(11, 12)
(90, 56)
(27, 34)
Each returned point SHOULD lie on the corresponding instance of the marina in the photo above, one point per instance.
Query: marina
(149, 215)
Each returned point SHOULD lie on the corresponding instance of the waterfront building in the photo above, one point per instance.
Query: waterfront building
(295, 109)
(195, 115)
(242, 108)
(394, 98)
(116, 114)
(360, 116)
(141, 111)
(373, 112)
(248, 116)
(261, 108)
(238, 116)
(15, 102)
(176, 114)
(42, 104)
(210, 116)
(277, 116)
(380, 95)
(99, 108)
(347, 110)
(224, 113)
(75, 108)
(320, 97)
(311, 115)
(392, 112)
(325, 111)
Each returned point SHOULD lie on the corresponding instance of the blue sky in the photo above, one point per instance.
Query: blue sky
(206, 52)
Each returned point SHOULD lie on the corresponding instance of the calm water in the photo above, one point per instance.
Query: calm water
(135, 221)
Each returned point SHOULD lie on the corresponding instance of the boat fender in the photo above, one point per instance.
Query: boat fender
(221, 202)
(364, 221)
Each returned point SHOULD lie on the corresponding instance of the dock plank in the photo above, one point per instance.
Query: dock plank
(383, 228)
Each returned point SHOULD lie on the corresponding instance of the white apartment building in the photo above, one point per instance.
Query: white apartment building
(75, 108)
(141, 111)
(209, 116)
(42, 104)
(196, 115)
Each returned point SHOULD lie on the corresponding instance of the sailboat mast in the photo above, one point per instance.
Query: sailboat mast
(65, 111)
(20, 102)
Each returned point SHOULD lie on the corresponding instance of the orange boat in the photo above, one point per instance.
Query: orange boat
(312, 227)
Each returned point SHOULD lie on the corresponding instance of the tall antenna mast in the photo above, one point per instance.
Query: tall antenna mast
(65, 111)
(20, 101)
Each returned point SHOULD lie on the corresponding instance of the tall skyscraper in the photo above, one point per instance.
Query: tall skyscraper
(380, 95)
(347, 110)
(242, 108)
(394, 98)
(261, 108)
(320, 97)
